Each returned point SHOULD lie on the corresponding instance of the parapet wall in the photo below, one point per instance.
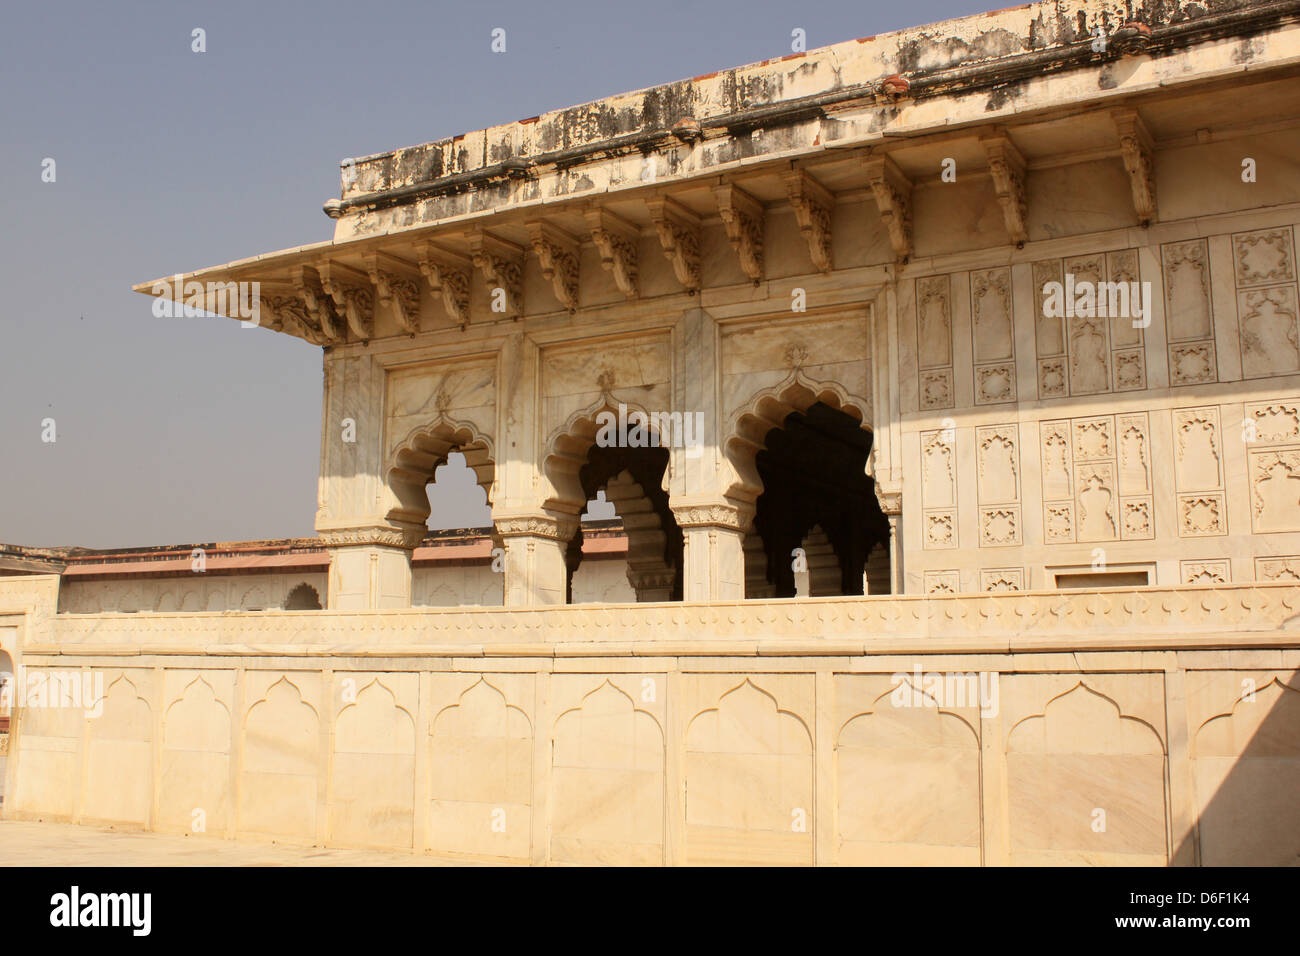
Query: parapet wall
(1148, 726)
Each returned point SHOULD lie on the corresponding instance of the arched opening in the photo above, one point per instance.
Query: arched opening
(303, 597)
(418, 460)
(627, 464)
(817, 514)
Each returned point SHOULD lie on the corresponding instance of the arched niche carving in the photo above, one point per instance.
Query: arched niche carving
(416, 458)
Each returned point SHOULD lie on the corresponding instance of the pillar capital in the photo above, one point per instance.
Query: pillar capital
(731, 516)
(554, 527)
(404, 536)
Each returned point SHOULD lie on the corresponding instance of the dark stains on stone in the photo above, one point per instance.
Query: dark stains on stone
(663, 106)
(1001, 95)
(928, 53)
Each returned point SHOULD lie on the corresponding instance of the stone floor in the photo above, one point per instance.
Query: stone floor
(64, 844)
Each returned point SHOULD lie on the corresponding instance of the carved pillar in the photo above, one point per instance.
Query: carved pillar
(370, 568)
(535, 568)
(891, 503)
(715, 550)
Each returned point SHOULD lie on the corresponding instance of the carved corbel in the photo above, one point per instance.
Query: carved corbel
(317, 303)
(1007, 168)
(502, 265)
(397, 286)
(893, 192)
(1138, 150)
(353, 296)
(288, 314)
(742, 217)
(616, 239)
(812, 204)
(448, 276)
(679, 234)
(557, 251)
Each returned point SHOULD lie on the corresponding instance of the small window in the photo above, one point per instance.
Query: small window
(1103, 579)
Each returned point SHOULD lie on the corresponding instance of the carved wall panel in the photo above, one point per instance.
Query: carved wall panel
(1002, 579)
(1204, 572)
(480, 765)
(196, 750)
(1265, 274)
(1091, 352)
(1097, 479)
(993, 336)
(949, 582)
(463, 390)
(998, 482)
(939, 489)
(1199, 472)
(1281, 568)
(1189, 318)
(895, 745)
(934, 340)
(1082, 751)
(749, 771)
(1275, 489)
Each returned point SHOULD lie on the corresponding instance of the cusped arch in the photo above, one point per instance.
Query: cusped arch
(568, 445)
(416, 458)
(1083, 696)
(749, 424)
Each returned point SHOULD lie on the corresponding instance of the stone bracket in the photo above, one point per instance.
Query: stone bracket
(617, 241)
(1138, 150)
(352, 294)
(812, 204)
(1007, 167)
(742, 217)
(502, 265)
(317, 303)
(679, 234)
(287, 313)
(893, 192)
(557, 251)
(448, 275)
(397, 286)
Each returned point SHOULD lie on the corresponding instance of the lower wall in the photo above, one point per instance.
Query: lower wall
(1161, 749)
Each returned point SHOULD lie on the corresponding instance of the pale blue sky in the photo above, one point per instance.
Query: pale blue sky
(174, 430)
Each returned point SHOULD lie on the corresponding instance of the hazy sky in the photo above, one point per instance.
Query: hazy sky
(167, 160)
